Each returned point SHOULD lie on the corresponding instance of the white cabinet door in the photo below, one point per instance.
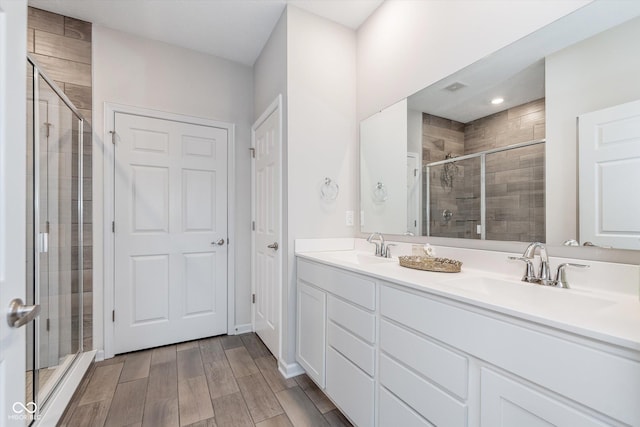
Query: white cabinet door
(506, 402)
(311, 336)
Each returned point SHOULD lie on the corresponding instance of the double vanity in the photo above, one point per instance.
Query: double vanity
(393, 346)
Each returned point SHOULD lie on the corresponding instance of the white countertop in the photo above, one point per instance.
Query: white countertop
(612, 317)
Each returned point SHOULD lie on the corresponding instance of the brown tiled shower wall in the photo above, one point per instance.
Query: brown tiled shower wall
(514, 179)
(62, 47)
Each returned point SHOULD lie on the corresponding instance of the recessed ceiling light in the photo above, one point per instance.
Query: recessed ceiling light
(496, 101)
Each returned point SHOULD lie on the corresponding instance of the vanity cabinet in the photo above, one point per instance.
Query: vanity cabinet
(563, 378)
(336, 337)
(409, 357)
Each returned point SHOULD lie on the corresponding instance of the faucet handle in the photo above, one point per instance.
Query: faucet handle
(529, 275)
(387, 250)
(561, 275)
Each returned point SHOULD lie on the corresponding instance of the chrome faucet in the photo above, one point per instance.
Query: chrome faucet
(543, 272)
(380, 247)
(544, 276)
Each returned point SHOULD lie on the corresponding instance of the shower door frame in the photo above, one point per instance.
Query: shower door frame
(483, 196)
(37, 243)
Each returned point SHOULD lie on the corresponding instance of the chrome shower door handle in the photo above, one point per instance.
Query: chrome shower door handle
(20, 314)
(273, 246)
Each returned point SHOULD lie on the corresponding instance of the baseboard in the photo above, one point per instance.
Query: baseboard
(99, 355)
(242, 329)
(55, 407)
(289, 370)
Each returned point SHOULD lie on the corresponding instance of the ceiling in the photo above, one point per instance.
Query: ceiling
(233, 29)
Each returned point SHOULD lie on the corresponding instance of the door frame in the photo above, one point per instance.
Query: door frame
(110, 109)
(274, 106)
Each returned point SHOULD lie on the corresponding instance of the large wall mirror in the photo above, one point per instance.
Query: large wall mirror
(487, 152)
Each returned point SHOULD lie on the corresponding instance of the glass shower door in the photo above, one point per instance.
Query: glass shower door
(55, 239)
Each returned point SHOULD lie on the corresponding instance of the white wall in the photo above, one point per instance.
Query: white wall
(597, 73)
(321, 87)
(144, 73)
(408, 45)
(381, 161)
(270, 70)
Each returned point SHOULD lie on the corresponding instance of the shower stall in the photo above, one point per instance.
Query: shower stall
(496, 194)
(54, 236)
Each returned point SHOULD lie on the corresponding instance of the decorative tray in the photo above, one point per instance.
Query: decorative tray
(444, 265)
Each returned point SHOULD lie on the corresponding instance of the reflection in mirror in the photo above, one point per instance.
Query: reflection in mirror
(480, 170)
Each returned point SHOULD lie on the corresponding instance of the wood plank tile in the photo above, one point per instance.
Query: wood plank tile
(255, 346)
(260, 400)
(79, 95)
(299, 408)
(62, 47)
(241, 362)
(336, 419)
(91, 414)
(45, 21)
(30, 39)
(220, 378)
(127, 406)
(187, 345)
(163, 354)
(103, 384)
(163, 381)
(189, 363)
(113, 361)
(316, 395)
(269, 368)
(194, 400)
(278, 421)
(211, 350)
(136, 366)
(231, 341)
(211, 422)
(161, 413)
(77, 29)
(231, 411)
(65, 70)
(75, 399)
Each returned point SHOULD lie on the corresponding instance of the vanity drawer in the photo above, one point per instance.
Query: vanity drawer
(441, 365)
(394, 412)
(352, 287)
(351, 389)
(354, 349)
(426, 399)
(352, 318)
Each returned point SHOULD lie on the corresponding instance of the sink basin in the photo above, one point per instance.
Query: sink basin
(530, 294)
(360, 258)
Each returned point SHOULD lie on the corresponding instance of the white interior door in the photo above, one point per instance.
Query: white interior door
(267, 256)
(13, 159)
(609, 167)
(170, 232)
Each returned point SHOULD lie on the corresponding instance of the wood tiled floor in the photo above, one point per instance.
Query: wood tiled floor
(220, 381)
